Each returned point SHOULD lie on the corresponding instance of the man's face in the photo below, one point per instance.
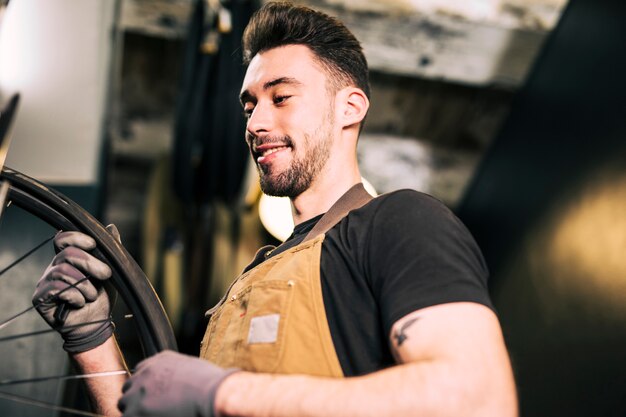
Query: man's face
(290, 118)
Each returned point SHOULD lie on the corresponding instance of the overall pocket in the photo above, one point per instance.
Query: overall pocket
(248, 330)
(264, 326)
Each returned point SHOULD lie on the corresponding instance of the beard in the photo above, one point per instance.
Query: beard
(298, 177)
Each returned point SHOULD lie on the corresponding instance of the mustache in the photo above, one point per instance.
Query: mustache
(255, 141)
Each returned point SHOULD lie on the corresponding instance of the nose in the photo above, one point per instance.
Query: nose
(261, 121)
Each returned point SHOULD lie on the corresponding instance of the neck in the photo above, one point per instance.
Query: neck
(323, 193)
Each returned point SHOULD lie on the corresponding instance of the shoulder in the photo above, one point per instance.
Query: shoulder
(407, 196)
(407, 201)
(398, 217)
(405, 210)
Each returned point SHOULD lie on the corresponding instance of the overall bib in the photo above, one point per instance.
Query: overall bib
(272, 318)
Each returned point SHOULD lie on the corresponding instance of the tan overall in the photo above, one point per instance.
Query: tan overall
(272, 318)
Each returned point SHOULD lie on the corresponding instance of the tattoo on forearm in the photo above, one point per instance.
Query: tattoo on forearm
(399, 335)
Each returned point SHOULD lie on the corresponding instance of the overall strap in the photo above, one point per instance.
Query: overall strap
(356, 197)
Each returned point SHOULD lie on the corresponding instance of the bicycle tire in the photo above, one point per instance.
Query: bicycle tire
(151, 322)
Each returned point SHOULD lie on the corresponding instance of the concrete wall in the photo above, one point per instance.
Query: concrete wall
(56, 55)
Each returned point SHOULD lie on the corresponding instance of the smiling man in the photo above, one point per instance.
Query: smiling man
(374, 306)
(301, 126)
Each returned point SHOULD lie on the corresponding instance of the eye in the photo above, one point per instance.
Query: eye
(280, 99)
(248, 108)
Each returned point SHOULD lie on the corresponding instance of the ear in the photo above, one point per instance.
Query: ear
(352, 106)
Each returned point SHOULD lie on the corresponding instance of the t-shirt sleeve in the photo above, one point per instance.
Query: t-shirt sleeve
(421, 255)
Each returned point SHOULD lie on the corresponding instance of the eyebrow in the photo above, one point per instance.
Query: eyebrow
(247, 96)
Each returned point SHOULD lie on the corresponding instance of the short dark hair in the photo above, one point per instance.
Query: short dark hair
(335, 47)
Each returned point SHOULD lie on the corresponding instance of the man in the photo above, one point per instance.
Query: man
(372, 307)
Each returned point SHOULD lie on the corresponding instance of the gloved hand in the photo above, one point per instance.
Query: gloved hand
(87, 322)
(172, 384)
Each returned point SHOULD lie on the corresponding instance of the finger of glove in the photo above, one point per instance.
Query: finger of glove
(127, 384)
(114, 232)
(57, 292)
(78, 239)
(60, 277)
(174, 381)
(130, 402)
(85, 262)
(150, 393)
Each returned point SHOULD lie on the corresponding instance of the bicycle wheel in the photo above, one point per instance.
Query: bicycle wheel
(150, 331)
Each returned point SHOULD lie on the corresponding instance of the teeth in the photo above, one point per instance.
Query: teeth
(272, 150)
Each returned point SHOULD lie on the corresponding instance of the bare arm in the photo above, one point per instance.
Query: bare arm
(451, 361)
(105, 391)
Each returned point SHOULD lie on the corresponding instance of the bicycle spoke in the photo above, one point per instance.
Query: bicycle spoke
(26, 255)
(147, 333)
(62, 377)
(24, 335)
(10, 320)
(44, 331)
(42, 404)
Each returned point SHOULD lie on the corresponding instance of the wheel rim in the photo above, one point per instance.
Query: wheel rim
(151, 324)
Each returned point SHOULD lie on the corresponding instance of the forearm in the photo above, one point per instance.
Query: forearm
(104, 391)
(416, 389)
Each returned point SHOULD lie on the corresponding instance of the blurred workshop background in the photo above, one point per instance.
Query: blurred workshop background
(512, 112)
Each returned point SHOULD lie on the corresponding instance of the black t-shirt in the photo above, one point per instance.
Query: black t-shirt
(401, 252)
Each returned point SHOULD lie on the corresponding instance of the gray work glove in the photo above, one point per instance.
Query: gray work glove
(82, 314)
(172, 384)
